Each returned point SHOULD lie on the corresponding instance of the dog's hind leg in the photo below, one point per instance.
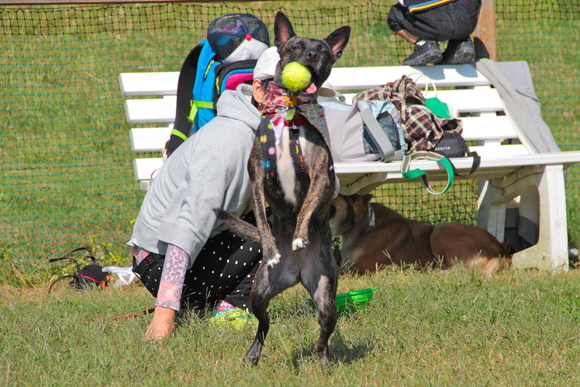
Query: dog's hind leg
(268, 282)
(260, 299)
(324, 295)
(320, 279)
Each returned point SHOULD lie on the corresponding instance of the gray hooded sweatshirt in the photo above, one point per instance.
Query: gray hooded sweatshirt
(207, 171)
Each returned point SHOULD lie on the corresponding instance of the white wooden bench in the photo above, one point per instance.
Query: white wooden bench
(509, 170)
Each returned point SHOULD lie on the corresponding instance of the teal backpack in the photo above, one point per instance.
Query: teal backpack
(202, 80)
(211, 67)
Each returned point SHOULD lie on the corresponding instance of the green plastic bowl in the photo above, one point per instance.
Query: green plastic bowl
(345, 302)
(353, 301)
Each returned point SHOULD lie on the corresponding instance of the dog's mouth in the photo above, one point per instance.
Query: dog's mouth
(311, 88)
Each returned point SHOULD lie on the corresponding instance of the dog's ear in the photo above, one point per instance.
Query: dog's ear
(338, 40)
(366, 199)
(282, 30)
(359, 204)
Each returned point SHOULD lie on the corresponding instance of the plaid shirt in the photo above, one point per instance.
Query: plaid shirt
(421, 128)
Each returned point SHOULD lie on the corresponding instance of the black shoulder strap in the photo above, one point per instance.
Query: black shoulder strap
(182, 126)
(73, 282)
(474, 166)
(77, 264)
(66, 256)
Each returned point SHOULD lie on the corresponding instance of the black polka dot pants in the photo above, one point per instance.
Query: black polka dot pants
(223, 270)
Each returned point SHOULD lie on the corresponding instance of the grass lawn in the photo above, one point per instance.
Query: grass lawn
(516, 328)
(67, 180)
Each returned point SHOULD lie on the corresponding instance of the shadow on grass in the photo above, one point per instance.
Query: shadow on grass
(341, 352)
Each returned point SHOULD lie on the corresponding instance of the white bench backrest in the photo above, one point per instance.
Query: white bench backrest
(462, 87)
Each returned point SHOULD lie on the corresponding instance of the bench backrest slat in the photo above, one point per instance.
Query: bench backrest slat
(159, 83)
(484, 128)
(162, 110)
(361, 78)
(341, 78)
(149, 139)
(144, 111)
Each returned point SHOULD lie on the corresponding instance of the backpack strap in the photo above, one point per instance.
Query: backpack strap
(230, 75)
(71, 276)
(182, 125)
(202, 96)
(474, 165)
(66, 256)
(426, 155)
(382, 142)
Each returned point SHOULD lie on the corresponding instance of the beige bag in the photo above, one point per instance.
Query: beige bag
(355, 134)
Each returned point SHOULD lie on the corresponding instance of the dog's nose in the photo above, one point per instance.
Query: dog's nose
(312, 55)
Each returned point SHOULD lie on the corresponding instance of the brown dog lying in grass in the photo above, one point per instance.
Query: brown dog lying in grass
(374, 236)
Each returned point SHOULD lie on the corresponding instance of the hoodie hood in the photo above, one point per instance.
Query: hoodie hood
(237, 105)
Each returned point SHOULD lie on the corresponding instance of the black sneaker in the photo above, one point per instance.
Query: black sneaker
(426, 51)
(459, 52)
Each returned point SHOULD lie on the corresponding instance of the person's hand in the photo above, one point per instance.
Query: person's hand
(162, 325)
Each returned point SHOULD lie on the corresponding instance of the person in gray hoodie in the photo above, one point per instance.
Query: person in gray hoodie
(181, 254)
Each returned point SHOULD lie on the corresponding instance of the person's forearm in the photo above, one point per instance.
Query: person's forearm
(172, 278)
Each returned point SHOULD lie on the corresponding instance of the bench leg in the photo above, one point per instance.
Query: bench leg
(551, 251)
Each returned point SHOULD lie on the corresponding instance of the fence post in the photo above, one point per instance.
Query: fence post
(485, 33)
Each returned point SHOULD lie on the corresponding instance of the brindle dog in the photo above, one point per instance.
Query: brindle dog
(299, 197)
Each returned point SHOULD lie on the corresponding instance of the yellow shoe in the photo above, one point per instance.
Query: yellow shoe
(234, 318)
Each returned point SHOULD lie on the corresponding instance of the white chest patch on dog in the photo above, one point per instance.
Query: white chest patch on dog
(285, 167)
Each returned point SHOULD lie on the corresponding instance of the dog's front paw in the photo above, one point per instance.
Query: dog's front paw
(299, 244)
(273, 261)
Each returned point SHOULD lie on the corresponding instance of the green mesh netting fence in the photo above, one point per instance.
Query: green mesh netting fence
(66, 176)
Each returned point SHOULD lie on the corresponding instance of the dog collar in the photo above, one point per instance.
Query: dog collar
(280, 102)
(371, 213)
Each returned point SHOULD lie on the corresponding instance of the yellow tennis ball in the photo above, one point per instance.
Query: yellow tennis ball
(296, 76)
